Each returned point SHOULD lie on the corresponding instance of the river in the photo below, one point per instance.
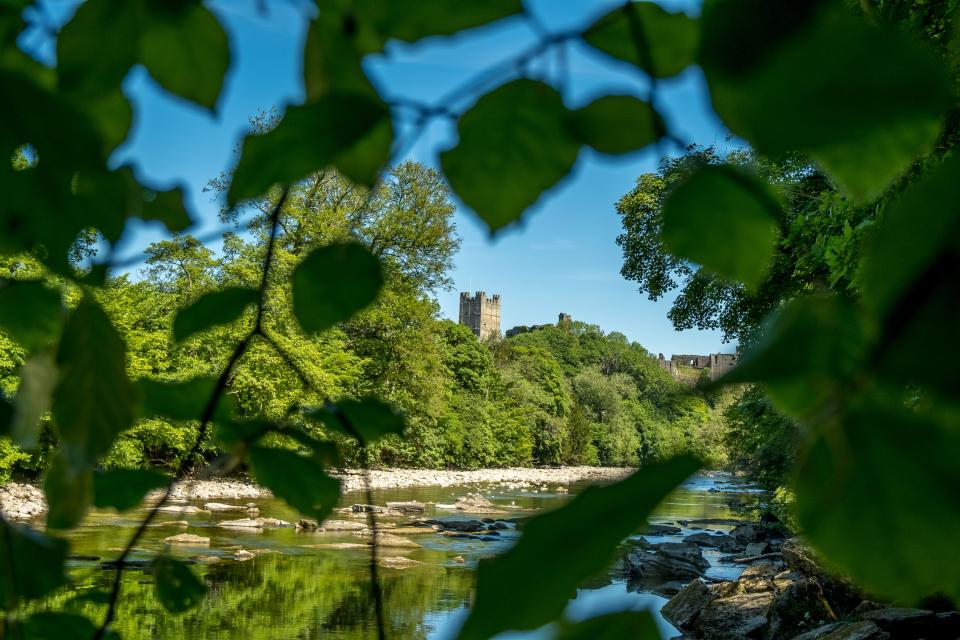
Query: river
(294, 590)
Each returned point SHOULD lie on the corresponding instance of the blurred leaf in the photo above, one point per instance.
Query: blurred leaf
(623, 625)
(807, 354)
(299, 481)
(863, 101)
(722, 197)
(917, 227)
(185, 50)
(617, 124)
(644, 34)
(32, 564)
(112, 115)
(413, 21)
(11, 22)
(309, 138)
(123, 489)
(598, 519)
(54, 625)
(515, 143)
(213, 308)
(38, 377)
(368, 419)
(69, 493)
(149, 204)
(183, 400)
(94, 400)
(323, 296)
(91, 63)
(332, 55)
(178, 589)
(30, 313)
(234, 434)
(866, 489)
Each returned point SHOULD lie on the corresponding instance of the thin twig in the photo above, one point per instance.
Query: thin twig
(205, 419)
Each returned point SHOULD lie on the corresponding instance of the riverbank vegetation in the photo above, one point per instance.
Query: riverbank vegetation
(564, 394)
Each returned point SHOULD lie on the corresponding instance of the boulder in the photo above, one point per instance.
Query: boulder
(476, 503)
(706, 539)
(669, 560)
(180, 509)
(398, 562)
(342, 525)
(742, 615)
(863, 630)
(219, 507)
(683, 608)
(305, 524)
(250, 523)
(242, 555)
(390, 541)
(799, 607)
(407, 507)
(756, 549)
(657, 529)
(366, 508)
(683, 551)
(187, 538)
(901, 622)
(842, 595)
(747, 533)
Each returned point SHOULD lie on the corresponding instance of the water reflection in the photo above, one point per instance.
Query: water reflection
(296, 590)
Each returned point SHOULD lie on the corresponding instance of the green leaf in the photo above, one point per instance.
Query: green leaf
(866, 488)
(725, 220)
(57, 625)
(623, 625)
(299, 481)
(808, 353)
(413, 21)
(123, 489)
(89, 64)
(38, 377)
(368, 419)
(333, 283)
(310, 138)
(332, 57)
(178, 589)
(112, 115)
(236, 435)
(644, 34)
(213, 308)
(185, 50)
(598, 519)
(183, 400)
(515, 143)
(617, 124)
(94, 400)
(32, 564)
(162, 206)
(862, 101)
(69, 493)
(30, 313)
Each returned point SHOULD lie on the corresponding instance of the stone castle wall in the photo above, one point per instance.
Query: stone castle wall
(481, 314)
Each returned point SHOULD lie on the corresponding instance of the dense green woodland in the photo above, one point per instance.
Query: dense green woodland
(567, 394)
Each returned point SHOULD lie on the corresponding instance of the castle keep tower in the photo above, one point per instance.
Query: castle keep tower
(481, 314)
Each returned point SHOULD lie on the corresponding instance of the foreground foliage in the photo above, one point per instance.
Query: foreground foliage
(862, 93)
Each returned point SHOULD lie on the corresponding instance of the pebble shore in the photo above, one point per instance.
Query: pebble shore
(20, 501)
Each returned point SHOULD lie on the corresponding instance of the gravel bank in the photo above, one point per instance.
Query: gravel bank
(25, 501)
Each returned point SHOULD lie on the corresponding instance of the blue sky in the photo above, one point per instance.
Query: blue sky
(562, 258)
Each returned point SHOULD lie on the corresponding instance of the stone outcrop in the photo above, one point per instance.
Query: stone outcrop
(668, 560)
(187, 538)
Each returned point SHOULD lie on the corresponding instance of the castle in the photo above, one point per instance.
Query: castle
(718, 363)
(481, 314)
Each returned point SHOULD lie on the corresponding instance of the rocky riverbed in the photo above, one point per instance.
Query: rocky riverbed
(20, 501)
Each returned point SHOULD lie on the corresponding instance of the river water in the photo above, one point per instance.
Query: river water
(294, 590)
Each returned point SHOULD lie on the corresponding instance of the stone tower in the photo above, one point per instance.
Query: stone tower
(481, 314)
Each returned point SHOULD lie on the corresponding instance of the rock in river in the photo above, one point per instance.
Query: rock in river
(249, 523)
(187, 538)
(669, 560)
(220, 507)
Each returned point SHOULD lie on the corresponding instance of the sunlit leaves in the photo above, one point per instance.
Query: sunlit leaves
(644, 34)
(30, 312)
(323, 296)
(301, 482)
(55, 625)
(31, 563)
(178, 589)
(211, 309)
(94, 400)
(183, 399)
(311, 137)
(863, 101)
(367, 420)
(185, 50)
(598, 519)
(635, 625)
(866, 490)
(69, 492)
(515, 144)
(123, 489)
(617, 124)
(722, 197)
(807, 355)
